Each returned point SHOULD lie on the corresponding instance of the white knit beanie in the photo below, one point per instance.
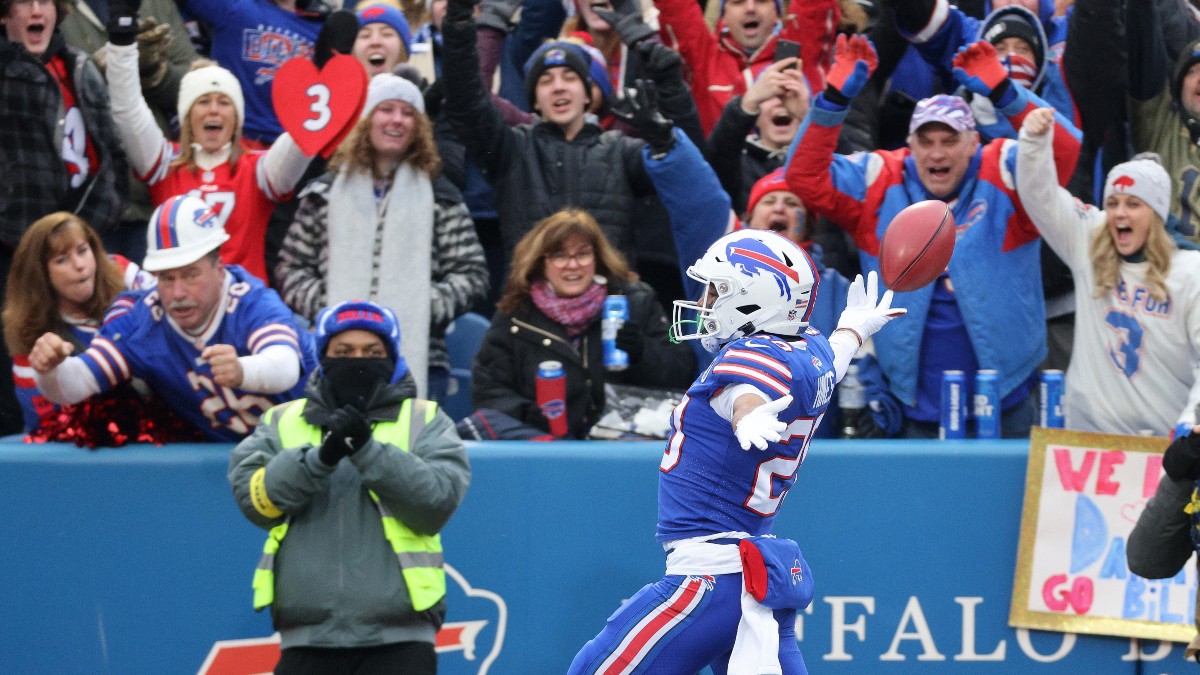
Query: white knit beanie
(207, 80)
(1145, 179)
(389, 87)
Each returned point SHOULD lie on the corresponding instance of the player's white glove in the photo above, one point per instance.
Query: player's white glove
(761, 425)
(863, 315)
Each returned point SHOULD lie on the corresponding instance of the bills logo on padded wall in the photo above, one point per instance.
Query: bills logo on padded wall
(468, 643)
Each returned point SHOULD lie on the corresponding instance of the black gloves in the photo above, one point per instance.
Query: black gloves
(460, 11)
(642, 114)
(632, 341)
(122, 24)
(498, 14)
(626, 20)
(337, 35)
(348, 430)
(662, 63)
(1182, 459)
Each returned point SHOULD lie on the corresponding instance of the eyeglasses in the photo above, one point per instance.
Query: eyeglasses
(562, 258)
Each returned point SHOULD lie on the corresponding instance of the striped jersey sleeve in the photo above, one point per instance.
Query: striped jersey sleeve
(755, 363)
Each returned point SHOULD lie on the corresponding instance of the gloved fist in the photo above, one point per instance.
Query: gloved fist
(1182, 458)
(498, 14)
(122, 23)
(348, 430)
(761, 425)
(865, 313)
(626, 19)
(641, 112)
(631, 341)
(662, 63)
(977, 68)
(854, 59)
(460, 11)
(153, 40)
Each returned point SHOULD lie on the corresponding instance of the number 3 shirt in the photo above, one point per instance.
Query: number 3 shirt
(708, 484)
(1134, 360)
(138, 340)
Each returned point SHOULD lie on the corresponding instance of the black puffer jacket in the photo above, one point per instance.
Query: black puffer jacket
(32, 126)
(534, 169)
(504, 376)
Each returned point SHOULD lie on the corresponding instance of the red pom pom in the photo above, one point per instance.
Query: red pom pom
(113, 419)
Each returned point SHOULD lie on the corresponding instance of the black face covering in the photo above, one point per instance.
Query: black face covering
(352, 381)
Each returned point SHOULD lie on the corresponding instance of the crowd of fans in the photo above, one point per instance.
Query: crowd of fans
(527, 160)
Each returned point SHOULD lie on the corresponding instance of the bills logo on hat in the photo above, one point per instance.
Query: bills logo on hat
(372, 13)
(204, 218)
(555, 57)
(1123, 183)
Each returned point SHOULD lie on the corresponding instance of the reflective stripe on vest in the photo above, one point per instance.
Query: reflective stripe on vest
(420, 556)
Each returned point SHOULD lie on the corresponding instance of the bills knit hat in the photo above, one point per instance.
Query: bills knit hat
(553, 54)
(361, 315)
(1145, 179)
(388, 15)
(389, 87)
(772, 182)
(209, 80)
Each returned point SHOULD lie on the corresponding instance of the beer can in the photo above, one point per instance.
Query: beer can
(1051, 394)
(551, 391)
(616, 313)
(954, 405)
(987, 404)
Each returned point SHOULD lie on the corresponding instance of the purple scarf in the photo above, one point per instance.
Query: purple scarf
(574, 314)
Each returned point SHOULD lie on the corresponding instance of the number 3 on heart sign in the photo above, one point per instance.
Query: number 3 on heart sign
(319, 94)
(318, 108)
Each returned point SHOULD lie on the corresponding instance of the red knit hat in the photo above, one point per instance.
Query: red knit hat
(772, 182)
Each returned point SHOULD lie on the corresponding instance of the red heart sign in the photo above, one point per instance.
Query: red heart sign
(318, 108)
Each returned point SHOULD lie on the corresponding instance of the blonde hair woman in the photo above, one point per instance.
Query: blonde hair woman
(1137, 303)
(210, 161)
(550, 310)
(383, 226)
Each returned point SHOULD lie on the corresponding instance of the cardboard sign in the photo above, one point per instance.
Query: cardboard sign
(318, 108)
(1083, 495)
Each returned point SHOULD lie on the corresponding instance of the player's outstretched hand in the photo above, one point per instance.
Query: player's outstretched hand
(1038, 122)
(865, 312)
(761, 425)
(49, 351)
(223, 360)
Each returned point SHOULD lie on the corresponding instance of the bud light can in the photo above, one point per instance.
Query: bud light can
(552, 395)
(987, 404)
(616, 313)
(954, 405)
(1051, 394)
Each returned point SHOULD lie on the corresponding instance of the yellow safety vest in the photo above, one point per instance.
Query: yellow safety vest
(420, 555)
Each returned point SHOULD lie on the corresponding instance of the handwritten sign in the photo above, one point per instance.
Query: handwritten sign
(1083, 495)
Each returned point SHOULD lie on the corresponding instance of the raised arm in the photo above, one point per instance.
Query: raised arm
(1064, 225)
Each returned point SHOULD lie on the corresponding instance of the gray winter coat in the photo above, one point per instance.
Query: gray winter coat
(337, 581)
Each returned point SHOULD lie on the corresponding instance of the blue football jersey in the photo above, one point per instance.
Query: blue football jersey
(136, 340)
(708, 484)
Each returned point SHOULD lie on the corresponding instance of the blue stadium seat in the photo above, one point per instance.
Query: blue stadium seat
(463, 337)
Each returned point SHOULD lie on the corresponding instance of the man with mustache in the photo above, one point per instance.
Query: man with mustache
(993, 281)
(211, 340)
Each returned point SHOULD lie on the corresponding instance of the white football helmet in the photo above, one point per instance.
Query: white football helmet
(181, 231)
(756, 281)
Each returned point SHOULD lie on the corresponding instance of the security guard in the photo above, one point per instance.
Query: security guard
(353, 483)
